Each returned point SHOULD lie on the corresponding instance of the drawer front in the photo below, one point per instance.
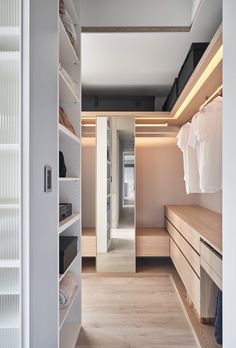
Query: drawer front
(88, 246)
(213, 260)
(153, 246)
(187, 250)
(186, 273)
(187, 231)
(212, 274)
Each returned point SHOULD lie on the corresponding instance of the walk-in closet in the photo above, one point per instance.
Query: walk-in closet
(117, 173)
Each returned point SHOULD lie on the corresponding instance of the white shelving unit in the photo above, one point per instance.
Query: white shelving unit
(10, 177)
(103, 187)
(70, 187)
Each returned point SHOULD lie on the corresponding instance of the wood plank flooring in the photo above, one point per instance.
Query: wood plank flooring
(133, 311)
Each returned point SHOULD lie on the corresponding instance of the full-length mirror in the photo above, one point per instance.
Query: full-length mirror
(108, 196)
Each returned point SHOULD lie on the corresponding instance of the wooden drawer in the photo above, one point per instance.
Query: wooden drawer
(186, 273)
(212, 264)
(187, 250)
(186, 230)
(211, 258)
(152, 242)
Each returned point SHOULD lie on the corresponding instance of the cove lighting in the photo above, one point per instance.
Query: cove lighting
(207, 72)
(89, 125)
(152, 125)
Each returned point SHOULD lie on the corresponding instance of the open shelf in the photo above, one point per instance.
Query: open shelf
(65, 134)
(69, 334)
(61, 276)
(64, 224)
(67, 51)
(64, 312)
(67, 94)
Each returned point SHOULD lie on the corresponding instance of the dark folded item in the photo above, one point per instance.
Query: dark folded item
(65, 210)
(218, 318)
(62, 166)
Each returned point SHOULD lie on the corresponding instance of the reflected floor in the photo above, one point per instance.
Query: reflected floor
(121, 253)
(121, 256)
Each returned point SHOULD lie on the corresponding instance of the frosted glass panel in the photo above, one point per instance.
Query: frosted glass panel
(10, 281)
(10, 179)
(9, 13)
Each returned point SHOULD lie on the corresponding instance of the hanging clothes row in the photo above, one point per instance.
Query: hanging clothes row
(201, 144)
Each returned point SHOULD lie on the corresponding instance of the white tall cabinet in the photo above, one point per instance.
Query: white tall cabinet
(33, 42)
(70, 186)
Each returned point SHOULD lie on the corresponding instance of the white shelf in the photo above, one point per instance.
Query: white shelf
(69, 334)
(67, 51)
(61, 276)
(9, 263)
(9, 147)
(69, 179)
(67, 94)
(9, 56)
(64, 224)
(66, 134)
(64, 312)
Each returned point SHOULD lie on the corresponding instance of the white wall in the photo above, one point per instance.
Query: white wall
(159, 179)
(229, 173)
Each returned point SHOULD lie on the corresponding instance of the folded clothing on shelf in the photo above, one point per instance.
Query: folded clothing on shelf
(65, 121)
(66, 289)
(69, 80)
(68, 23)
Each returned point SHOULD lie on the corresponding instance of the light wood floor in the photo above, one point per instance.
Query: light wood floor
(133, 311)
(152, 267)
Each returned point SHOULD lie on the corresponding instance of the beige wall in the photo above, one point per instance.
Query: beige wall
(88, 181)
(159, 180)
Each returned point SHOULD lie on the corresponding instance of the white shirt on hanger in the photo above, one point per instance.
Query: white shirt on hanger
(206, 137)
(191, 175)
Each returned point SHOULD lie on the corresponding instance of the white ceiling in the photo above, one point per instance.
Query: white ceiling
(141, 63)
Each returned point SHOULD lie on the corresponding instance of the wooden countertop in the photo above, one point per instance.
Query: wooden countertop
(204, 221)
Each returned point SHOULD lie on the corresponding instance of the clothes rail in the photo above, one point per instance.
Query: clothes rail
(212, 97)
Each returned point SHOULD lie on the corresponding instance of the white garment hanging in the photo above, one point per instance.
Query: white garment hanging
(191, 175)
(206, 138)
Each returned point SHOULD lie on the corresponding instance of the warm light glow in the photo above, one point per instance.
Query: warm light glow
(89, 125)
(154, 118)
(83, 118)
(152, 125)
(207, 72)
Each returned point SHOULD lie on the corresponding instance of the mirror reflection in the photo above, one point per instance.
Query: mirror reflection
(110, 224)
